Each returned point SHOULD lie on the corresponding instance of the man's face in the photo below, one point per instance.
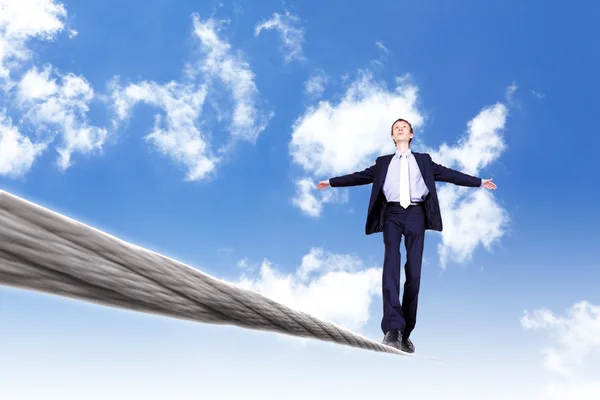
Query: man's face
(401, 131)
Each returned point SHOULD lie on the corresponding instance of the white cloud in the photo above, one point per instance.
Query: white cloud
(53, 107)
(180, 134)
(244, 263)
(510, 90)
(380, 45)
(49, 102)
(311, 203)
(577, 334)
(575, 350)
(380, 63)
(235, 73)
(292, 36)
(315, 85)
(482, 144)
(540, 96)
(334, 287)
(17, 152)
(177, 134)
(22, 20)
(37, 85)
(471, 216)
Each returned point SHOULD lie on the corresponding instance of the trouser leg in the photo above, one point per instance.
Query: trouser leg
(393, 317)
(414, 240)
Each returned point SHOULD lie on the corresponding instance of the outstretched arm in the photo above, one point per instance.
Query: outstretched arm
(444, 174)
(355, 179)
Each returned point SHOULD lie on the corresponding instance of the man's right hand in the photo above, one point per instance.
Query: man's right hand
(323, 184)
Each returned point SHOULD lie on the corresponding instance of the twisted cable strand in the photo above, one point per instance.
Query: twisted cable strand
(121, 262)
(17, 273)
(54, 253)
(44, 251)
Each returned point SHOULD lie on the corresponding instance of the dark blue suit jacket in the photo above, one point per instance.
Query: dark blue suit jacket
(431, 173)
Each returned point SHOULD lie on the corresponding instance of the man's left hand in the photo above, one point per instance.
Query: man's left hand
(488, 184)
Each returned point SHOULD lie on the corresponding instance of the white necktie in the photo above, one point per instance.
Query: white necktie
(404, 182)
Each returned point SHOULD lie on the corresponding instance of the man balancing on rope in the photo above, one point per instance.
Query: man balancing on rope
(403, 201)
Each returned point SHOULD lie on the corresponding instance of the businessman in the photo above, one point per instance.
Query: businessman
(403, 202)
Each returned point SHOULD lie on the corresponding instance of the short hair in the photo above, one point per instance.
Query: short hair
(401, 120)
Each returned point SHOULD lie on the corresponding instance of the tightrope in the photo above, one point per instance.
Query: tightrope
(44, 251)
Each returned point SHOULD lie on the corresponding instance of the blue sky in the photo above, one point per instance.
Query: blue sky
(200, 130)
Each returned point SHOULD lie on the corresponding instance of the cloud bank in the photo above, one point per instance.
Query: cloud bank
(334, 287)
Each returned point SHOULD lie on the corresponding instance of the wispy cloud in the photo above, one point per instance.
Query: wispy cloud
(380, 63)
(179, 132)
(50, 103)
(230, 68)
(382, 47)
(510, 90)
(311, 204)
(537, 94)
(21, 21)
(176, 134)
(290, 32)
(335, 287)
(61, 107)
(574, 349)
(315, 85)
(472, 217)
(17, 151)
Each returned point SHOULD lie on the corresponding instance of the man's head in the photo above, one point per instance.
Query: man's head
(402, 131)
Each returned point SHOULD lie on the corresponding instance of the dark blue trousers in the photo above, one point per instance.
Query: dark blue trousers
(409, 223)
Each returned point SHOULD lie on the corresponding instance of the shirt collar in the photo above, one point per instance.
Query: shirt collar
(399, 154)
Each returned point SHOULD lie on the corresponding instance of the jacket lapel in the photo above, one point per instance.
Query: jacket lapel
(385, 165)
(421, 163)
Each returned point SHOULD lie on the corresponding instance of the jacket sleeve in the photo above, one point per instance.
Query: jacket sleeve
(444, 174)
(355, 179)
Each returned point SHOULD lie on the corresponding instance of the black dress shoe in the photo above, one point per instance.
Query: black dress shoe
(407, 346)
(392, 338)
